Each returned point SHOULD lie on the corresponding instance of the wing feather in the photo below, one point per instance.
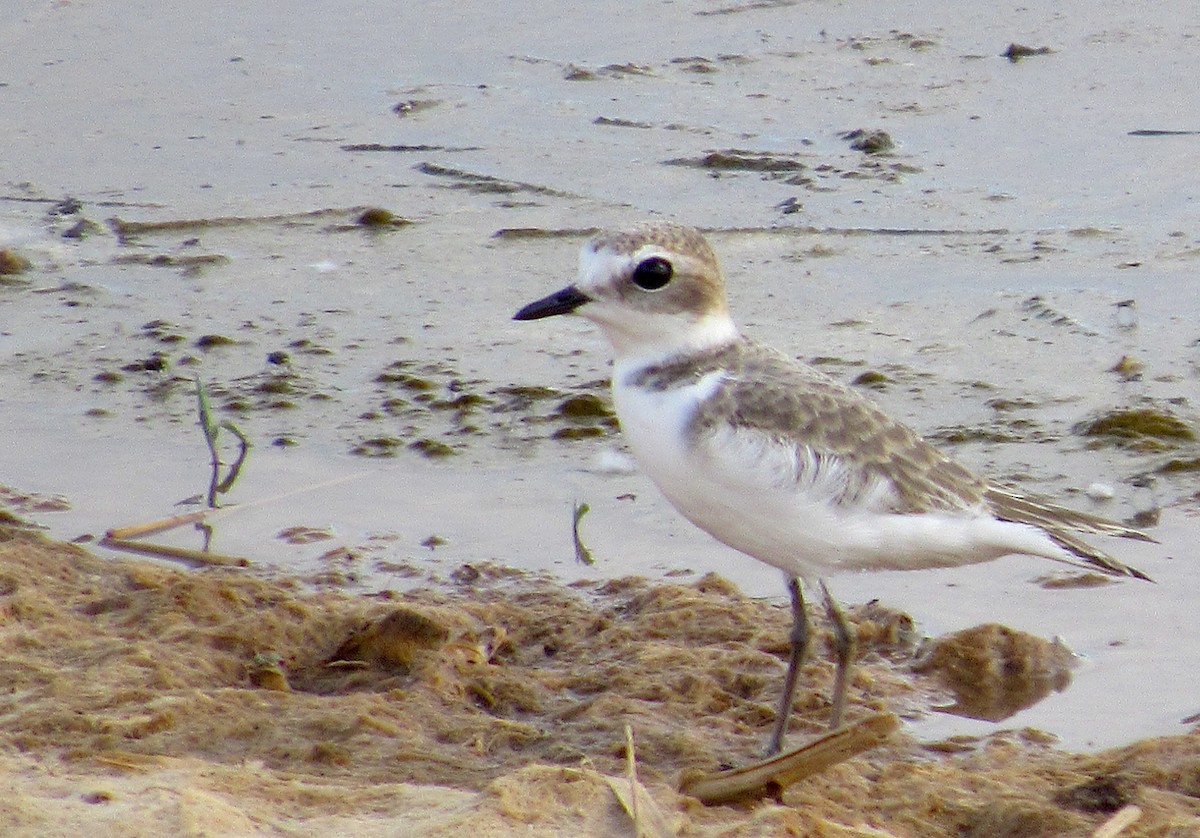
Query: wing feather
(794, 403)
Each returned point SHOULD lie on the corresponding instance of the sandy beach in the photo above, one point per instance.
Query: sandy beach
(146, 700)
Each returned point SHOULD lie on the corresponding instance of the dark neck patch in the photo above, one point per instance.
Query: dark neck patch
(687, 368)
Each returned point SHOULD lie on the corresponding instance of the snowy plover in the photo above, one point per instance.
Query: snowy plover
(777, 459)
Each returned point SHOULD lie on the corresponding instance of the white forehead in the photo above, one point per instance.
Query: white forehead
(600, 266)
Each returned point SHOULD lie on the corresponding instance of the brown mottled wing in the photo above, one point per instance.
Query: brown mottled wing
(775, 395)
(770, 393)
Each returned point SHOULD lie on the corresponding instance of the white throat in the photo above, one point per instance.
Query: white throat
(639, 338)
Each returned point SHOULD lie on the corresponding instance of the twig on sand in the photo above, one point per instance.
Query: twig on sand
(649, 821)
(1124, 817)
(122, 538)
(769, 777)
(155, 527)
(167, 551)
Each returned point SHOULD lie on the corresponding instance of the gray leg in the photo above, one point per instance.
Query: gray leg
(844, 643)
(799, 651)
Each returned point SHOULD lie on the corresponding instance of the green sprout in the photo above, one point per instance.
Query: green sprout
(582, 554)
(212, 430)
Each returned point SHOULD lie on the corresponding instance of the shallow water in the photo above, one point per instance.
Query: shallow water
(1010, 181)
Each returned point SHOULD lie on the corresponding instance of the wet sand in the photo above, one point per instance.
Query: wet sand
(191, 197)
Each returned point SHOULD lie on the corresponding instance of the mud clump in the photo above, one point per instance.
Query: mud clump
(207, 342)
(1180, 465)
(432, 448)
(1015, 52)
(586, 415)
(379, 446)
(12, 263)
(155, 362)
(739, 160)
(380, 219)
(393, 640)
(995, 671)
(871, 378)
(870, 141)
(585, 405)
(1106, 793)
(1144, 428)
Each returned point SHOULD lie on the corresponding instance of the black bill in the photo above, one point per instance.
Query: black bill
(560, 302)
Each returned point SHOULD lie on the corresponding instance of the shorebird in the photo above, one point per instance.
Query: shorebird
(777, 459)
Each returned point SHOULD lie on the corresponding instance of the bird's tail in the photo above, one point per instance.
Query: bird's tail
(1063, 525)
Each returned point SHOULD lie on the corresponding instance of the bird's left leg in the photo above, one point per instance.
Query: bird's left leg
(844, 647)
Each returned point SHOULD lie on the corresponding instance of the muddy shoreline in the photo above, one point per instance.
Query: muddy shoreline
(139, 700)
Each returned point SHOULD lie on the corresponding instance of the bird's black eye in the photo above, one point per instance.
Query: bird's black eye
(653, 273)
